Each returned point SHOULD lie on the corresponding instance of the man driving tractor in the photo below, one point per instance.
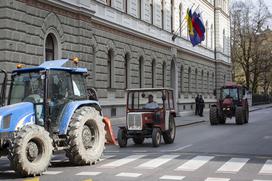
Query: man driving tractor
(151, 104)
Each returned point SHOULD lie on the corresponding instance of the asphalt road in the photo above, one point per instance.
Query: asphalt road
(200, 153)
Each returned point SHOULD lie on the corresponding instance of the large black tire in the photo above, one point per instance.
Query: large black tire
(86, 136)
(239, 115)
(246, 115)
(138, 140)
(122, 137)
(156, 137)
(170, 134)
(31, 151)
(213, 116)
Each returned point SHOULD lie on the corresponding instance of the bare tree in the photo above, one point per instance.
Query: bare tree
(248, 22)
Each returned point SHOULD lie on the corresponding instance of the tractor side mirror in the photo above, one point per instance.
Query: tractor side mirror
(214, 92)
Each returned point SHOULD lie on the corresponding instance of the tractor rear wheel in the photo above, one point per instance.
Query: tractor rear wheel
(170, 134)
(122, 137)
(246, 115)
(156, 137)
(138, 140)
(31, 151)
(86, 136)
(239, 115)
(213, 116)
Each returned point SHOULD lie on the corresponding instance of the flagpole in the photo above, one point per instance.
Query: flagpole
(181, 25)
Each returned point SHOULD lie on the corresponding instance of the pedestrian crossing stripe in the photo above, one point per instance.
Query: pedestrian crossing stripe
(33, 179)
(194, 163)
(217, 179)
(123, 161)
(154, 163)
(171, 177)
(233, 165)
(267, 168)
(125, 174)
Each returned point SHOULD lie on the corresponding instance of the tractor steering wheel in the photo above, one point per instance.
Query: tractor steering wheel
(33, 98)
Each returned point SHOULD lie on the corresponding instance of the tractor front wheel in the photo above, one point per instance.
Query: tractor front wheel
(213, 116)
(156, 137)
(31, 151)
(246, 115)
(170, 134)
(86, 136)
(122, 137)
(239, 115)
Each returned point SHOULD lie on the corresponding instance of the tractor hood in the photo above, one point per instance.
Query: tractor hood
(14, 116)
(228, 102)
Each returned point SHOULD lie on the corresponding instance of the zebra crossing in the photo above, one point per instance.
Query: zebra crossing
(172, 167)
(135, 166)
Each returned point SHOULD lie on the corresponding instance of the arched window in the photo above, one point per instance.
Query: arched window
(110, 68)
(153, 69)
(211, 36)
(224, 40)
(127, 68)
(163, 74)
(151, 11)
(172, 16)
(50, 48)
(180, 19)
(206, 32)
(162, 14)
(196, 88)
(202, 81)
(208, 82)
(213, 81)
(189, 79)
(108, 2)
(141, 71)
(181, 79)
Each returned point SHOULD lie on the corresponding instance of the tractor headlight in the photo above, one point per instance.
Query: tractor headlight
(5, 122)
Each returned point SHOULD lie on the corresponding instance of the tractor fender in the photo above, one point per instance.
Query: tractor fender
(69, 110)
(18, 115)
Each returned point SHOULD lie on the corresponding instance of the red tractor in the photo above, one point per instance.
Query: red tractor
(150, 114)
(232, 103)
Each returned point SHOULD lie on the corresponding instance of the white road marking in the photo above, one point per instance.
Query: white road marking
(89, 173)
(126, 174)
(106, 157)
(262, 180)
(154, 163)
(52, 172)
(7, 171)
(171, 177)
(267, 168)
(195, 163)
(233, 165)
(139, 151)
(217, 179)
(123, 161)
(178, 149)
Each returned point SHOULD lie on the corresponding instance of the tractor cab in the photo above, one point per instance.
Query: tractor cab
(49, 88)
(3, 85)
(150, 114)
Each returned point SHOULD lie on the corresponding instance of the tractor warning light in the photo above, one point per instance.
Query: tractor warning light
(19, 66)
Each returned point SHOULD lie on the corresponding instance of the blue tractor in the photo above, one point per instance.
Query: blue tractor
(49, 109)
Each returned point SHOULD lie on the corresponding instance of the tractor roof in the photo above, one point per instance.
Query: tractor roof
(231, 84)
(53, 65)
